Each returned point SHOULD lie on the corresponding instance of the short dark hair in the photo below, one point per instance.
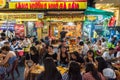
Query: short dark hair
(7, 48)
(63, 28)
(103, 39)
(78, 37)
(111, 48)
(6, 42)
(51, 46)
(14, 39)
(81, 43)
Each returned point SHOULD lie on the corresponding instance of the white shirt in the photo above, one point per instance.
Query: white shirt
(104, 44)
(26, 42)
(106, 55)
(85, 49)
(2, 43)
(118, 54)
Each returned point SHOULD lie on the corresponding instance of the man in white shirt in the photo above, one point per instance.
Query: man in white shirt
(85, 48)
(109, 55)
(26, 42)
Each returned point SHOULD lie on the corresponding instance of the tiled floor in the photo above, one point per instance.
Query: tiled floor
(21, 71)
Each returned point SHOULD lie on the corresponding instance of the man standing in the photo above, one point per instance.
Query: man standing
(63, 33)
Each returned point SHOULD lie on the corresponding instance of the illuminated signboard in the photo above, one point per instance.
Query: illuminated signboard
(2, 3)
(47, 0)
(21, 16)
(19, 0)
(49, 4)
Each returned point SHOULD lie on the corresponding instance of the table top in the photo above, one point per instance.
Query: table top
(116, 65)
(38, 69)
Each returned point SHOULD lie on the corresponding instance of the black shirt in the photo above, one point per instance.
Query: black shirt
(42, 76)
(80, 60)
(34, 58)
(64, 60)
(54, 56)
(63, 34)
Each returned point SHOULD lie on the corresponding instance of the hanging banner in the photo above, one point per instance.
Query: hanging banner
(44, 5)
(2, 3)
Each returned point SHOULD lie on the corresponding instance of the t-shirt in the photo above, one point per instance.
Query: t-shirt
(118, 54)
(117, 48)
(104, 44)
(34, 58)
(85, 49)
(107, 56)
(88, 76)
(54, 56)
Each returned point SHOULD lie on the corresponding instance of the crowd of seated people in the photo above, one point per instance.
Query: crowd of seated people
(93, 61)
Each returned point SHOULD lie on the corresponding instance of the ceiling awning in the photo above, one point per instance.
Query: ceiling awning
(93, 11)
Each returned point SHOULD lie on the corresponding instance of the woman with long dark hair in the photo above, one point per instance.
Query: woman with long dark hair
(101, 64)
(75, 57)
(51, 72)
(33, 55)
(73, 72)
(32, 59)
(92, 73)
(90, 56)
(104, 69)
(63, 56)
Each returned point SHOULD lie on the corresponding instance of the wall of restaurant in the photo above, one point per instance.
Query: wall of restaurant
(114, 3)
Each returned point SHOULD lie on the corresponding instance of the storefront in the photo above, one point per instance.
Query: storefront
(114, 21)
(22, 24)
(71, 23)
(96, 21)
(51, 24)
